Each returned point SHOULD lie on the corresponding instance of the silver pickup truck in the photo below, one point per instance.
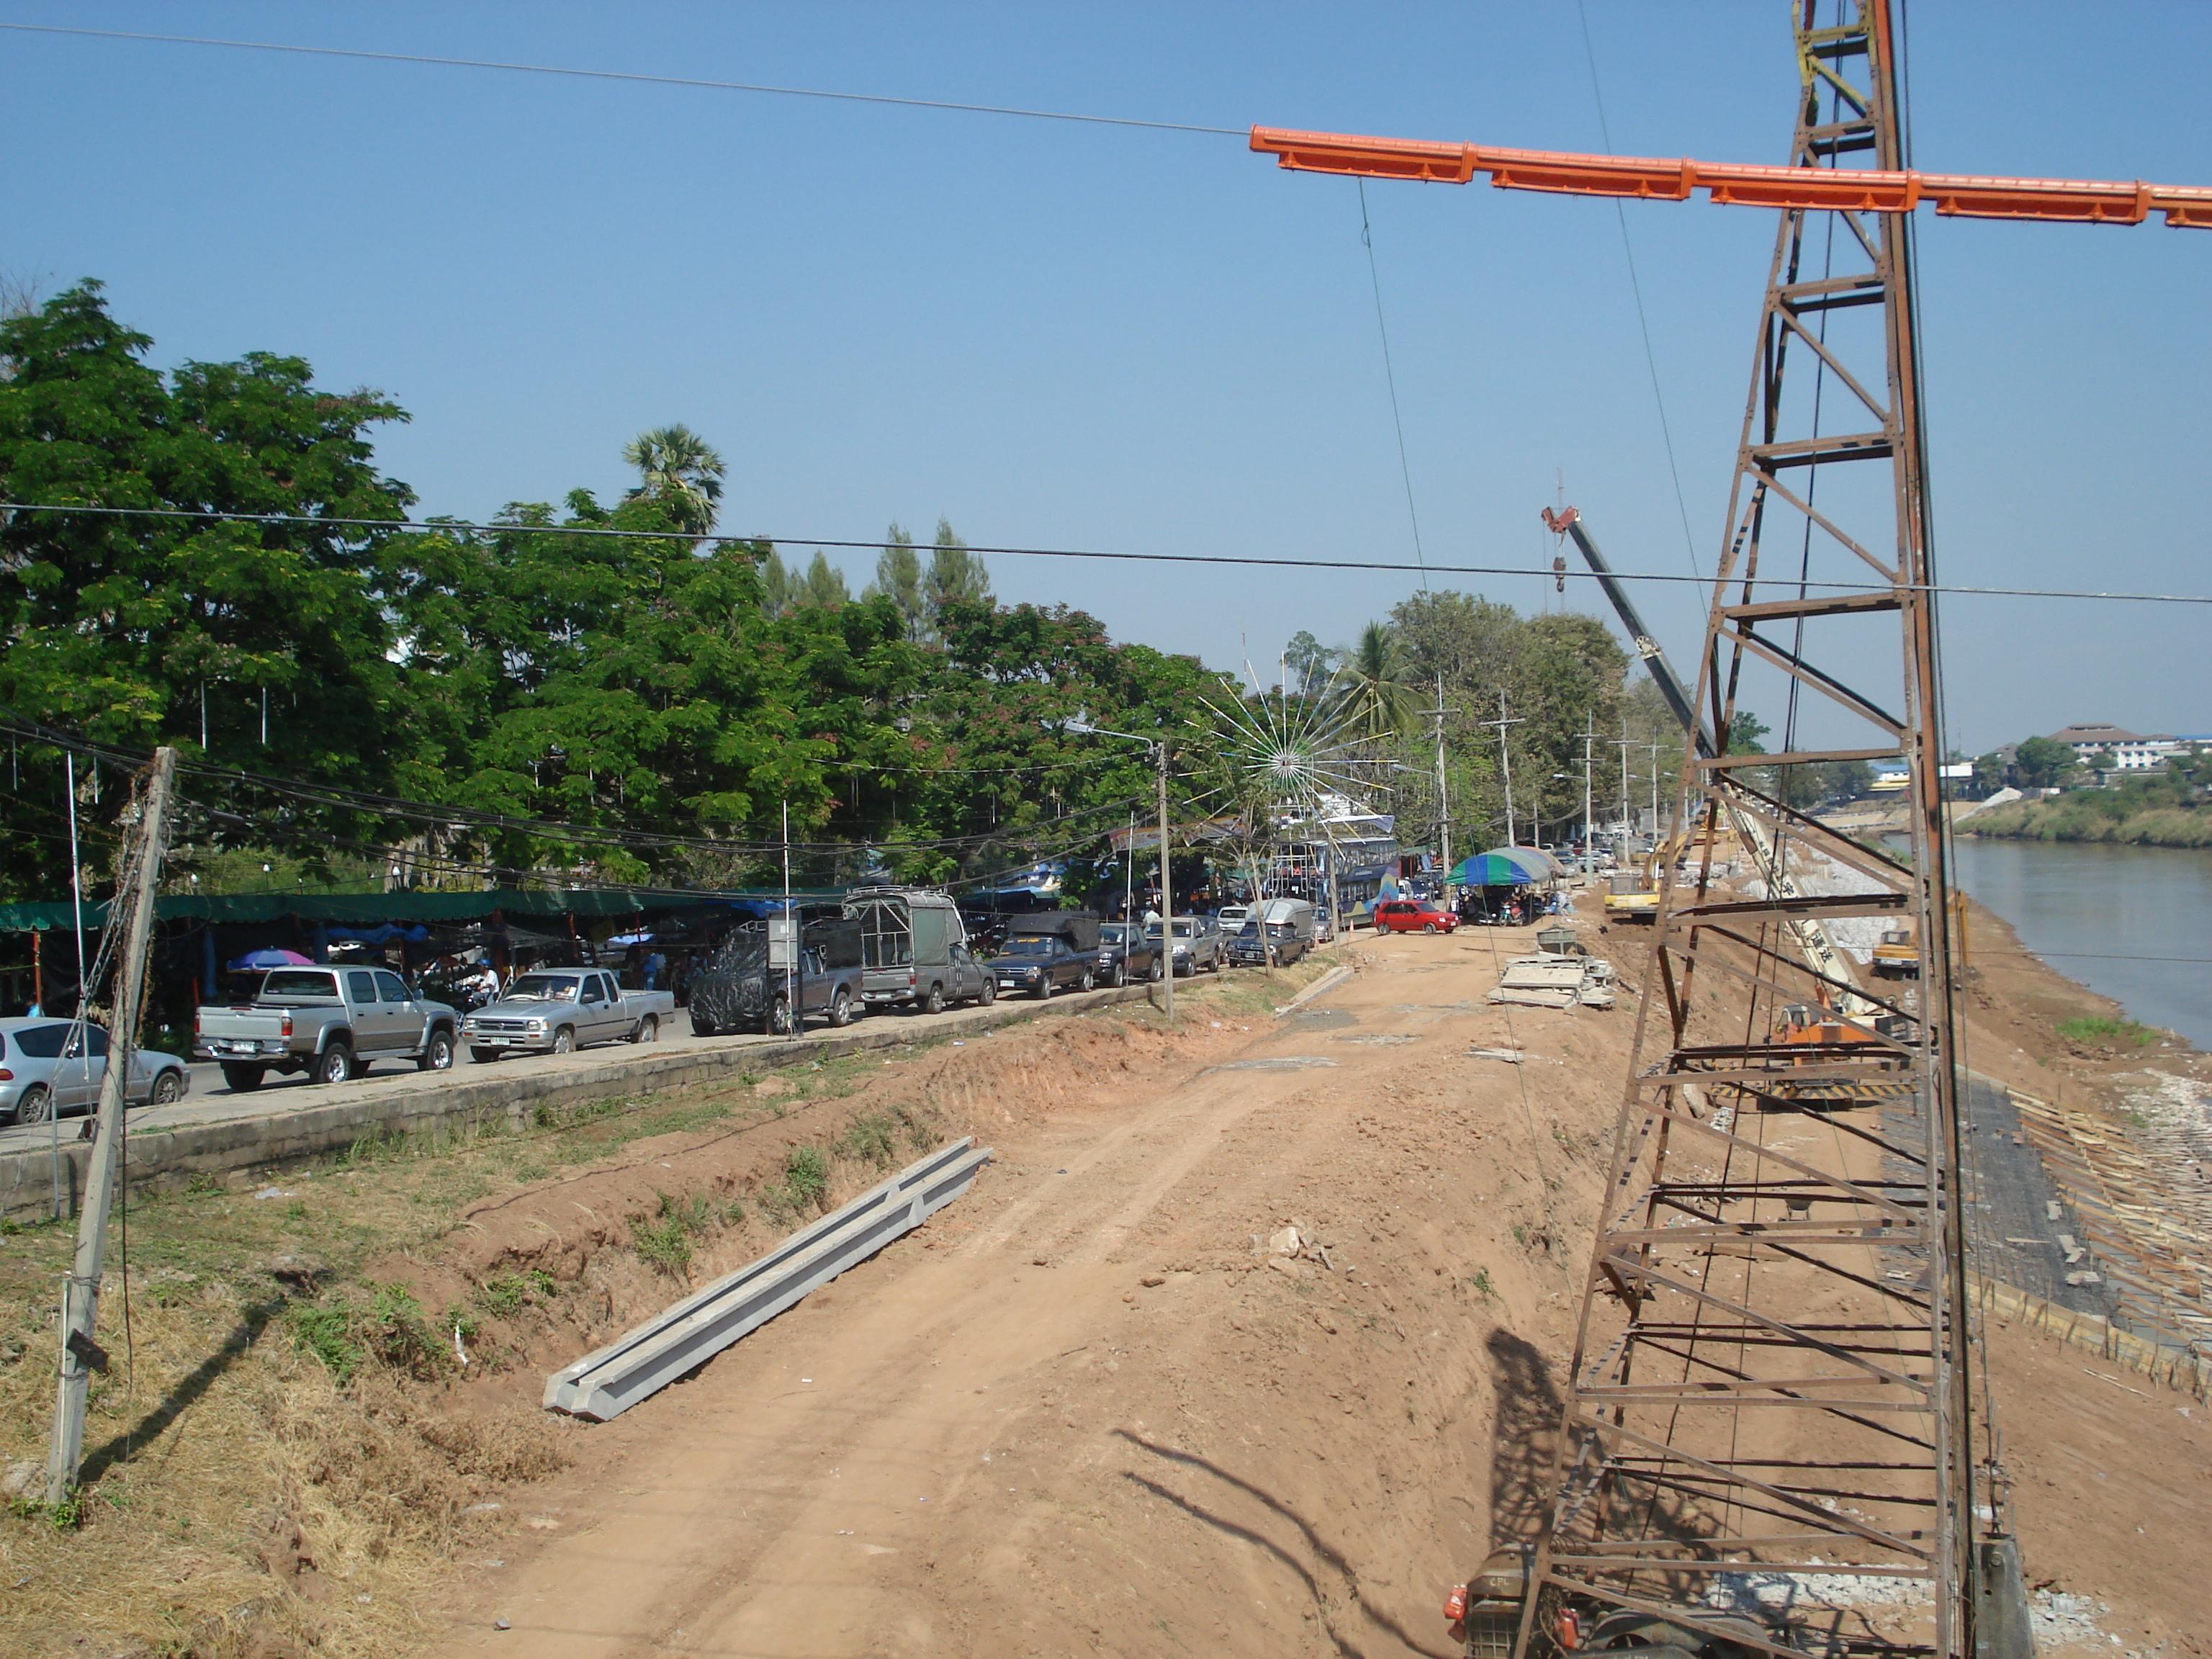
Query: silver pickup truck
(553, 1011)
(332, 1022)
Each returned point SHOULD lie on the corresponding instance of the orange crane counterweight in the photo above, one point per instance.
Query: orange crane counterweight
(2075, 201)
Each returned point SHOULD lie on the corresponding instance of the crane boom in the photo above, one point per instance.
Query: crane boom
(1819, 950)
(1735, 183)
(1568, 522)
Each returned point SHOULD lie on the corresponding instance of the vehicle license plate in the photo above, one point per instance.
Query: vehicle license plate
(1005, 985)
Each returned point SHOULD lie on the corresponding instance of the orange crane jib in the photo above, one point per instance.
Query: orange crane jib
(2079, 201)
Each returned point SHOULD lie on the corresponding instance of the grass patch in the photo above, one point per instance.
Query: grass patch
(389, 1327)
(271, 1368)
(2102, 1028)
(807, 1175)
(327, 1333)
(664, 1238)
(505, 1295)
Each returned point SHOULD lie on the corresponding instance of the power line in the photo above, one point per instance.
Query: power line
(1636, 288)
(380, 805)
(1390, 378)
(1544, 571)
(636, 79)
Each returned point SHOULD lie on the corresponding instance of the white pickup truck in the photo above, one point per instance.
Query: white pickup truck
(332, 1022)
(554, 1011)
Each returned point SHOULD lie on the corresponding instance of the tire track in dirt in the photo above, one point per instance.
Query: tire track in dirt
(752, 1488)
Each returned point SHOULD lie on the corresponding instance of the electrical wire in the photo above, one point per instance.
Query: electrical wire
(1636, 289)
(444, 816)
(1543, 572)
(692, 81)
(1390, 380)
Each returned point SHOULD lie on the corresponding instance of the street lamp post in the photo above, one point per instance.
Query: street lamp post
(1159, 748)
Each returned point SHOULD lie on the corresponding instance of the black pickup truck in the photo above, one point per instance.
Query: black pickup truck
(740, 991)
(1041, 963)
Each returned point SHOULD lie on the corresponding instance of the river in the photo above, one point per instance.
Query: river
(2106, 916)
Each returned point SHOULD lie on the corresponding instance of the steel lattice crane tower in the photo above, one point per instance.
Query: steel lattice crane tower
(1770, 1376)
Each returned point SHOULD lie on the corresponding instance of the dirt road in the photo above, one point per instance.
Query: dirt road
(1090, 1410)
(1082, 1410)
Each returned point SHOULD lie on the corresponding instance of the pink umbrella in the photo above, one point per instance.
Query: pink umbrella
(272, 959)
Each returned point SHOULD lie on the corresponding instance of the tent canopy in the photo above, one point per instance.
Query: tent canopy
(1508, 867)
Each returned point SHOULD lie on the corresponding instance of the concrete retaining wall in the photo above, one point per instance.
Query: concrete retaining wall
(242, 1137)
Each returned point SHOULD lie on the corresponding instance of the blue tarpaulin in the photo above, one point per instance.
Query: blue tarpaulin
(1507, 866)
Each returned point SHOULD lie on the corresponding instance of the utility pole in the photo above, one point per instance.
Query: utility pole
(1444, 792)
(80, 1354)
(1625, 746)
(796, 1019)
(1589, 738)
(1505, 761)
(1159, 748)
(76, 875)
(1167, 897)
(1129, 884)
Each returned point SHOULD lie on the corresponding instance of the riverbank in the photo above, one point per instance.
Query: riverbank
(2092, 814)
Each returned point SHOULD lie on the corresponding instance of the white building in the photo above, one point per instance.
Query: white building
(2132, 751)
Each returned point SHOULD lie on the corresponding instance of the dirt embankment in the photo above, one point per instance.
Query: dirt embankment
(1096, 1406)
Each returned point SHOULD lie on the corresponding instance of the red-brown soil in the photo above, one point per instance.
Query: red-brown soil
(1086, 1411)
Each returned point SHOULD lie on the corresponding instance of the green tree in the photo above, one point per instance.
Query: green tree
(899, 579)
(956, 575)
(2043, 764)
(823, 588)
(119, 628)
(780, 586)
(1745, 729)
(1373, 684)
(1307, 664)
(680, 473)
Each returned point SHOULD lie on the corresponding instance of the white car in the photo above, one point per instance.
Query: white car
(46, 1071)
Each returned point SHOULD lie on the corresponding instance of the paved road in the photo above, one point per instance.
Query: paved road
(210, 1099)
(211, 1095)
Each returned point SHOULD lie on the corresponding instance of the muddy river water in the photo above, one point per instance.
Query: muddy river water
(2133, 923)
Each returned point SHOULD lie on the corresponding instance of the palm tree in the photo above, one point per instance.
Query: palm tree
(1372, 689)
(679, 469)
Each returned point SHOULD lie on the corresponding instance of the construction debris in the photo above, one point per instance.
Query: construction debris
(1556, 982)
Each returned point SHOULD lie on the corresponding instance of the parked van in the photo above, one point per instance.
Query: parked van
(1291, 927)
(909, 937)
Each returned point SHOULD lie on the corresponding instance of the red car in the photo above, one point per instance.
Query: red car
(1413, 916)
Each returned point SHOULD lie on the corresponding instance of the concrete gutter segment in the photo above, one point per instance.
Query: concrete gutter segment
(606, 1383)
(212, 1135)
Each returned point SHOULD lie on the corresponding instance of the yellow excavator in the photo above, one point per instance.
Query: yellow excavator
(1632, 895)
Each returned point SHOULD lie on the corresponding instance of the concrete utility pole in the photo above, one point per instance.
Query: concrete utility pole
(1505, 761)
(1443, 792)
(81, 1356)
(796, 1019)
(1589, 738)
(1167, 897)
(1159, 748)
(1625, 747)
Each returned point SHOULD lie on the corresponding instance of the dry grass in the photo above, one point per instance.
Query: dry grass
(242, 1493)
(275, 1465)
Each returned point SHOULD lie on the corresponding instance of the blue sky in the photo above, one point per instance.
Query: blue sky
(1089, 336)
